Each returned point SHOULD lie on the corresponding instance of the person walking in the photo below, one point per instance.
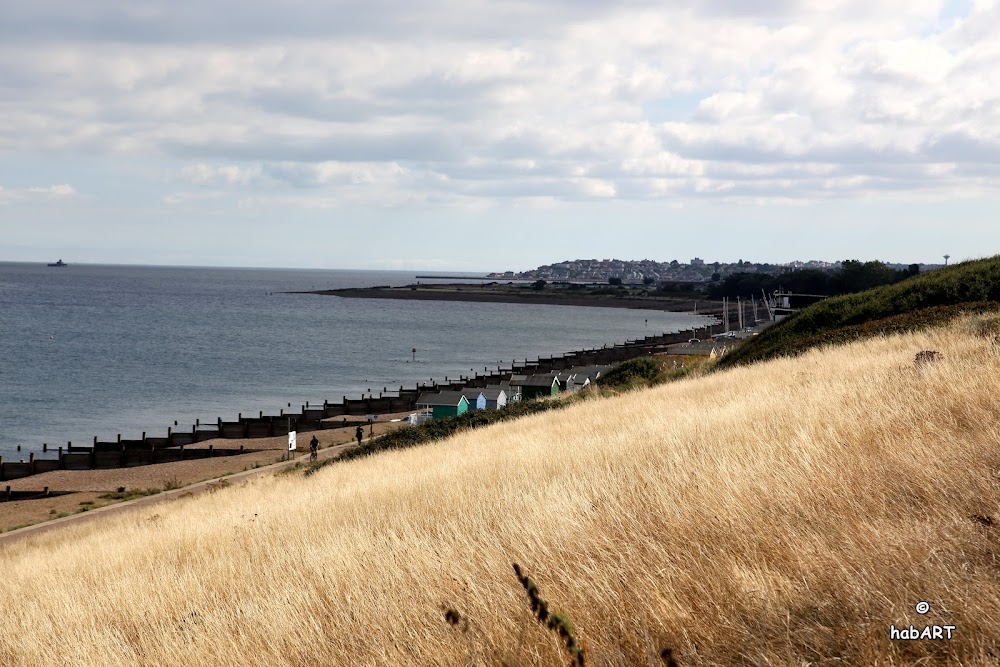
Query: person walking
(359, 434)
(313, 448)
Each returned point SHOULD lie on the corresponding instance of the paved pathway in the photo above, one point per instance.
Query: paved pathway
(145, 501)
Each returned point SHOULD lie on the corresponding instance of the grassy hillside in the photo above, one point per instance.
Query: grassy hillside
(923, 300)
(785, 513)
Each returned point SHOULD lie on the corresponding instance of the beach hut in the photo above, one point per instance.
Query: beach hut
(565, 380)
(477, 401)
(538, 386)
(444, 404)
(516, 380)
(687, 354)
(513, 393)
(495, 397)
(515, 386)
(580, 376)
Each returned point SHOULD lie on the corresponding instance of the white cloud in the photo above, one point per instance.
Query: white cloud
(791, 99)
(55, 191)
(203, 174)
(37, 193)
(7, 196)
(187, 197)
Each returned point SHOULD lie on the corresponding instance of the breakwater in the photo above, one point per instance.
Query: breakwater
(181, 444)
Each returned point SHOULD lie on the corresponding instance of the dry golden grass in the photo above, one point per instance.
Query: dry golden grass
(784, 514)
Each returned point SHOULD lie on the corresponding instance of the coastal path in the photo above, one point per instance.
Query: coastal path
(72, 500)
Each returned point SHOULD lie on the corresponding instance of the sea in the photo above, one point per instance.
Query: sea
(101, 350)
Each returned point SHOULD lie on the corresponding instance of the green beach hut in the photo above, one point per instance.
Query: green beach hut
(444, 403)
(537, 386)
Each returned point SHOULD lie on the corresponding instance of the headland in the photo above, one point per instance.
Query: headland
(551, 295)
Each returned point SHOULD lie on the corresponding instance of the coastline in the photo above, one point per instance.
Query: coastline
(74, 493)
(485, 294)
(63, 491)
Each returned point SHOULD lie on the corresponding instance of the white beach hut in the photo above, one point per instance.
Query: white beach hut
(495, 397)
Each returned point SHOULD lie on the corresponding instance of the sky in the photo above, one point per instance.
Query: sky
(467, 135)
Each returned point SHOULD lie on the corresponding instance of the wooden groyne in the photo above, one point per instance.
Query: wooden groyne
(177, 445)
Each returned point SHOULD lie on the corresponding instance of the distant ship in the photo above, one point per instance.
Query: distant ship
(59, 263)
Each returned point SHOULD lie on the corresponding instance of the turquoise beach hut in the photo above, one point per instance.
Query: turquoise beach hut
(444, 404)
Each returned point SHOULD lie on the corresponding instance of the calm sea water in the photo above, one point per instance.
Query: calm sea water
(100, 350)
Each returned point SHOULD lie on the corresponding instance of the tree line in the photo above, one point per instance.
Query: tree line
(852, 276)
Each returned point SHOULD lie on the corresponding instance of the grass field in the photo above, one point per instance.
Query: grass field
(781, 514)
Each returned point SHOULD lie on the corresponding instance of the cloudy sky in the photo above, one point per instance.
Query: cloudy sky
(468, 135)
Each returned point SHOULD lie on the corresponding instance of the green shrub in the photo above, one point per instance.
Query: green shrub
(638, 372)
(129, 494)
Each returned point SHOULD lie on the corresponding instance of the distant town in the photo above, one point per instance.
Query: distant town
(650, 271)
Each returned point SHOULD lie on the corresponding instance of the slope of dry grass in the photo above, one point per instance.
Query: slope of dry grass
(786, 513)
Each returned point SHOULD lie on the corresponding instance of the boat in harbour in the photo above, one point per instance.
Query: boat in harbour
(59, 263)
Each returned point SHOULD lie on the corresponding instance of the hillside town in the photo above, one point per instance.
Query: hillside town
(647, 270)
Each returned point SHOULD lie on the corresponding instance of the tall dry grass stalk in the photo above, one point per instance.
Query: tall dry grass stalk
(784, 514)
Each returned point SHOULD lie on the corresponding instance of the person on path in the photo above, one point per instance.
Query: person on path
(359, 434)
(313, 448)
